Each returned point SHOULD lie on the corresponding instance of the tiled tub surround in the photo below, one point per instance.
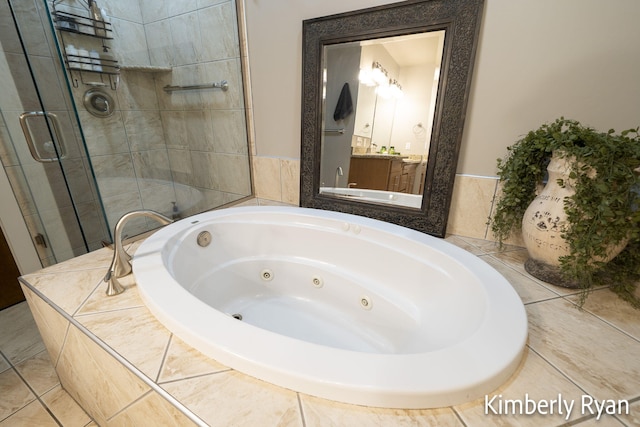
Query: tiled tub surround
(125, 368)
(472, 201)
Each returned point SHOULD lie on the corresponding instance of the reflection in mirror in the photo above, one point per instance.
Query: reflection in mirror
(378, 109)
(384, 94)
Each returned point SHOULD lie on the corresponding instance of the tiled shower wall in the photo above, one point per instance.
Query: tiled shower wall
(160, 148)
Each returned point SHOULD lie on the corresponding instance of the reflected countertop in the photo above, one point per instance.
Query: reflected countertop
(380, 156)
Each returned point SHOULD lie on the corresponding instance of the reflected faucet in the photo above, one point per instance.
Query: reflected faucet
(338, 175)
(121, 261)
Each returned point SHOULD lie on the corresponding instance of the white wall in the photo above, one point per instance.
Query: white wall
(537, 60)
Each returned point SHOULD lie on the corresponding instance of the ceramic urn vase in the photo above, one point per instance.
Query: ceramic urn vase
(543, 224)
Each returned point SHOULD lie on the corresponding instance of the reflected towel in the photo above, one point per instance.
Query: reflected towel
(345, 105)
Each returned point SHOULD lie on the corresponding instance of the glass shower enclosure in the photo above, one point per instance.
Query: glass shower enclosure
(115, 106)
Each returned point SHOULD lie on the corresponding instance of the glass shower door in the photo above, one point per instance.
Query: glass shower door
(40, 143)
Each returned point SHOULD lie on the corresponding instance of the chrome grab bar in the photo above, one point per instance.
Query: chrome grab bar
(58, 138)
(340, 131)
(224, 85)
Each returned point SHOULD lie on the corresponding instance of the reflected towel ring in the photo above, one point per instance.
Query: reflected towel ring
(419, 128)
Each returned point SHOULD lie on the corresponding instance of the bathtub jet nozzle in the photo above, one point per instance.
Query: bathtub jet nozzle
(121, 261)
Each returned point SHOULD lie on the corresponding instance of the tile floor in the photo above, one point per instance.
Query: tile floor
(30, 393)
(570, 352)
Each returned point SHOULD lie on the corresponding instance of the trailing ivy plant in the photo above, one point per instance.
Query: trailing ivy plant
(604, 211)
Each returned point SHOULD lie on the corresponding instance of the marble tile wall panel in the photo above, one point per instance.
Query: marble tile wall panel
(152, 409)
(152, 167)
(100, 384)
(9, 41)
(219, 31)
(267, 181)
(186, 38)
(229, 131)
(233, 174)
(123, 9)
(239, 400)
(129, 42)
(32, 28)
(181, 166)
(471, 205)
(143, 129)
(143, 345)
(52, 326)
(290, 176)
(104, 135)
(18, 93)
(49, 87)
(154, 10)
(160, 44)
(137, 91)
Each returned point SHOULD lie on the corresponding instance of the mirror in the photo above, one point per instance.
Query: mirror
(384, 98)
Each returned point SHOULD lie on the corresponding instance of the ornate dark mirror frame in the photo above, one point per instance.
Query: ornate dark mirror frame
(461, 21)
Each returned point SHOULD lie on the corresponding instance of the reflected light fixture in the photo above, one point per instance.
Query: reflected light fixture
(378, 76)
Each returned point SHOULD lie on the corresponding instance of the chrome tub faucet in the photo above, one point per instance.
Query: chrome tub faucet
(121, 261)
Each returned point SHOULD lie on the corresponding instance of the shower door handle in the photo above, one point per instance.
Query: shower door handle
(55, 124)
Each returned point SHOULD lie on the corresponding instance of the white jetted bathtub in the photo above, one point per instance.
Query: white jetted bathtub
(334, 305)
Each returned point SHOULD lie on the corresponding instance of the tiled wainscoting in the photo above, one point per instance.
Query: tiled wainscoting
(278, 179)
(114, 358)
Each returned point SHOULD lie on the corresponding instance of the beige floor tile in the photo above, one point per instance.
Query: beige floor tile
(604, 421)
(19, 336)
(233, 399)
(4, 365)
(14, 393)
(633, 417)
(462, 243)
(516, 259)
(183, 361)
(64, 408)
(321, 412)
(536, 379)
(31, 415)
(134, 333)
(600, 359)
(610, 307)
(528, 289)
(38, 372)
(488, 246)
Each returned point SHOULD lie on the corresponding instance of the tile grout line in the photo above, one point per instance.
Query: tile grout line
(164, 358)
(304, 421)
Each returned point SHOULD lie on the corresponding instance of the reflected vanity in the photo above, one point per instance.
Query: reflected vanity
(384, 98)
